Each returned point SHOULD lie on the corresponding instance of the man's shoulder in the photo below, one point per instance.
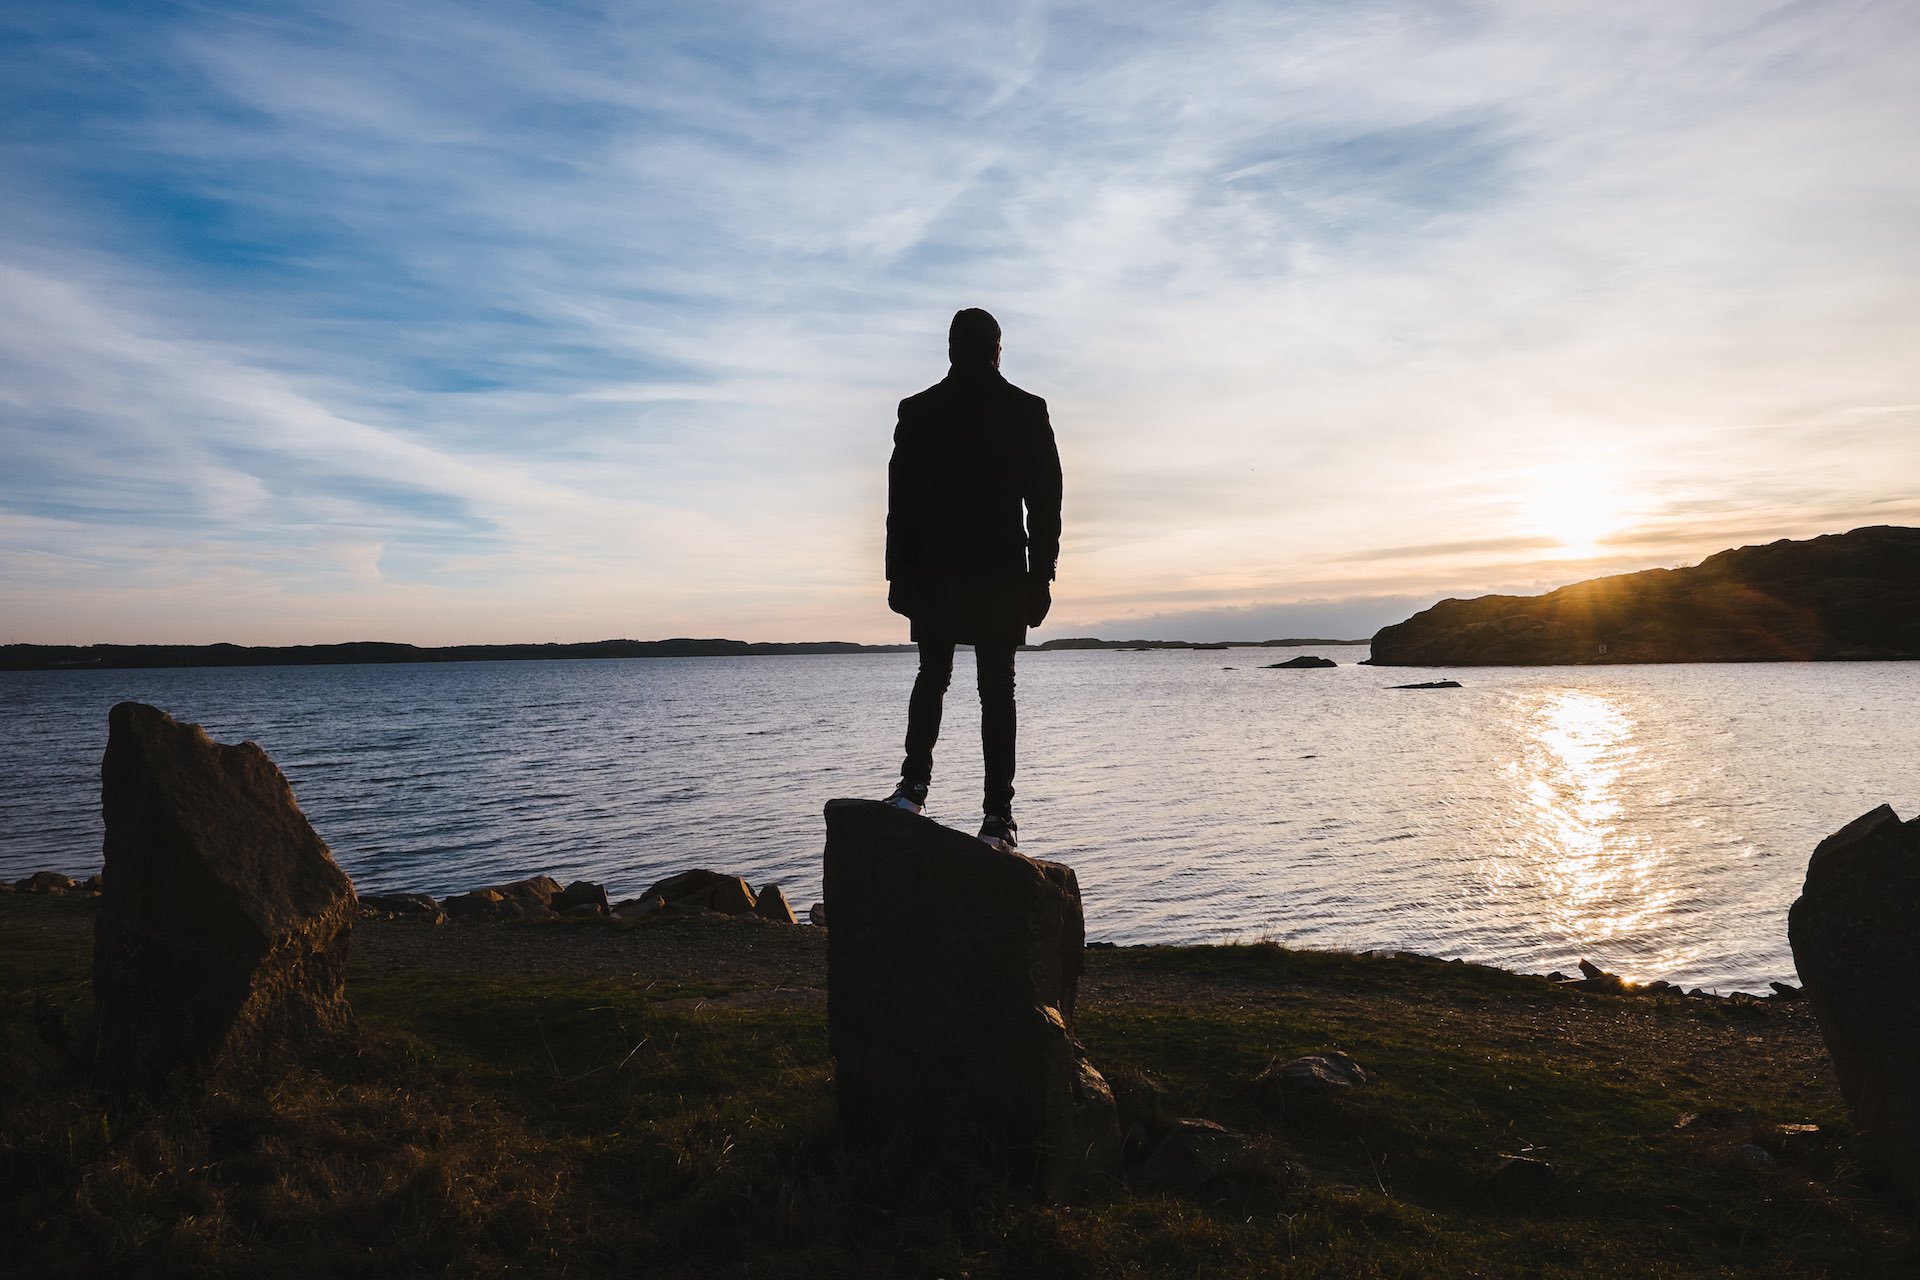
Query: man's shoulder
(1025, 398)
(949, 395)
(922, 399)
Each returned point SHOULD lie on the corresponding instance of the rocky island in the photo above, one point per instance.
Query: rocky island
(1840, 597)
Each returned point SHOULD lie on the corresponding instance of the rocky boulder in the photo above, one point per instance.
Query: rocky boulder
(45, 882)
(639, 908)
(953, 1027)
(529, 899)
(221, 943)
(707, 890)
(1305, 662)
(1853, 942)
(1318, 1075)
(582, 897)
(1191, 1156)
(772, 904)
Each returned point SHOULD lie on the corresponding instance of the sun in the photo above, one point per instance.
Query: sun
(1576, 511)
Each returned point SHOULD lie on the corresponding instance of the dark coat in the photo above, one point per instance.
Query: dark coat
(969, 454)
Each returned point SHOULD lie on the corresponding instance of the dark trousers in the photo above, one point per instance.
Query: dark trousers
(994, 664)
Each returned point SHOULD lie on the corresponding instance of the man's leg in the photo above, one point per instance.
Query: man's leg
(998, 725)
(923, 710)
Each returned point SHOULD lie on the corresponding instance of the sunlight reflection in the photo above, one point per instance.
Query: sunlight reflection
(1593, 880)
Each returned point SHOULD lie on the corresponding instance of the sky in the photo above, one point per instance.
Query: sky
(504, 322)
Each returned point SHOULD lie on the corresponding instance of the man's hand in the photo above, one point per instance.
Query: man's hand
(1039, 600)
(899, 599)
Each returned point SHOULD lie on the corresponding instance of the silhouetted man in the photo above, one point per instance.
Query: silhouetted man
(963, 561)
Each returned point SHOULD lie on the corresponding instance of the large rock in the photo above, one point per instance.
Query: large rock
(1852, 931)
(951, 975)
(221, 943)
(529, 899)
(708, 890)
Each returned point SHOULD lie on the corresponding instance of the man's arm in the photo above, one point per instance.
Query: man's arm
(903, 541)
(1041, 489)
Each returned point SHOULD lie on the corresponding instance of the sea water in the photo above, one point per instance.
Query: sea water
(1654, 819)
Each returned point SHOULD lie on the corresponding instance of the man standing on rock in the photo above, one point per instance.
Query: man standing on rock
(973, 536)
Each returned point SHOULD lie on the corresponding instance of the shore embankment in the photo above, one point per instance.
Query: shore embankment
(574, 1096)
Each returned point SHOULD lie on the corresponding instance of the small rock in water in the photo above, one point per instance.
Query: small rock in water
(1301, 663)
(1591, 971)
(817, 915)
(1428, 684)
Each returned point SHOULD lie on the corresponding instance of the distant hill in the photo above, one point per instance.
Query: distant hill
(108, 657)
(1088, 642)
(1843, 596)
(52, 657)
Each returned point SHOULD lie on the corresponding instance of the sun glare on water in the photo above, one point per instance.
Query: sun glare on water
(1595, 882)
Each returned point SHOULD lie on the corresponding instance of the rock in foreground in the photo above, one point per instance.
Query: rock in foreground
(951, 975)
(1852, 936)
(221, 944)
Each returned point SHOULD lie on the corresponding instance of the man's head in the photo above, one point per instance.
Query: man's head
(973, 338)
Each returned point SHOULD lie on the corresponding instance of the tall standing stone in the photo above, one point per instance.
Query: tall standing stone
(221, 944)
(952, 970)
(1853, 938)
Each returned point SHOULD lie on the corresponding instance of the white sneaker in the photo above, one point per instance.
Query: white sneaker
(911, 796)
(1001, 833)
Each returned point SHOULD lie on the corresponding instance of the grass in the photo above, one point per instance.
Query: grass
(576, 1124)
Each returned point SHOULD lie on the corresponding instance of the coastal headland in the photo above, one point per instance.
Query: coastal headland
(580, 1096)
(1840, 597)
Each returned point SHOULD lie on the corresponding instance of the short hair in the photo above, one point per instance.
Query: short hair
(973, 332)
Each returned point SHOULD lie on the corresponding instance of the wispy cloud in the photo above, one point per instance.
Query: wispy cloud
(486, 321)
